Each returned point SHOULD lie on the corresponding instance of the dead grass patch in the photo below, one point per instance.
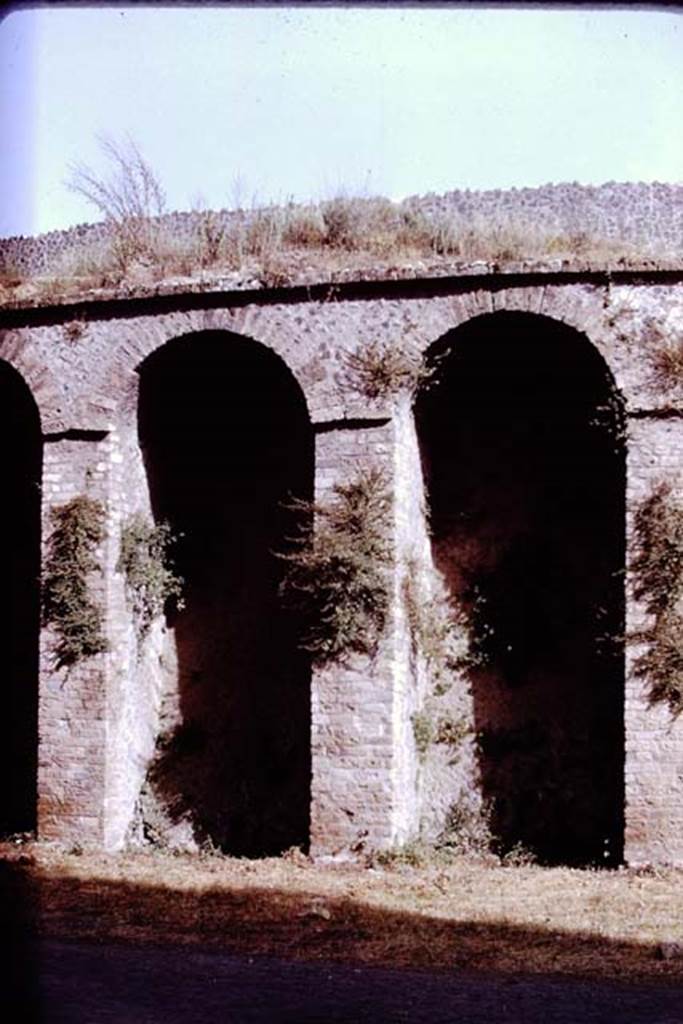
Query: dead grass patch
(467, 914)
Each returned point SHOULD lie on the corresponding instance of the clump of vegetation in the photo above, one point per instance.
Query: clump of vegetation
(305, 227)
(658, 581)
(73, 330)
(356, 222)
(414, 854)
(439, 638)
(658, 342)
(609, 419)
(423, 732)
(518, 856)
(129, 197)
(68, 607)
(437, 633)
(451, 234)
(147, 563)
(667, 365)
(433, 729)
(381, 370)
(451, 731)
(467, 829)
(337, 577)
(466, 833)
(210, 234)
(12, 274)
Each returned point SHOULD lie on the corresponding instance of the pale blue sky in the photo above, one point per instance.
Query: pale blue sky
(301, 102)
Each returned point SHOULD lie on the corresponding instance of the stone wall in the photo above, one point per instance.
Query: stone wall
(654, 764)
(73, 727)
(643, 212)
(353, 750)
(370, 787)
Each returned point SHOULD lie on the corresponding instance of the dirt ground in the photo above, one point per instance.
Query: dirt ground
(466, 915)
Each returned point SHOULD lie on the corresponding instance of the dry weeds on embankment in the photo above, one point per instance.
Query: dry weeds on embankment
(465, 915)
(278, 246)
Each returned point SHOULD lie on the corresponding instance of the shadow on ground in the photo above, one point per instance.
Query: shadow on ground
(83, 981)
(304, 925)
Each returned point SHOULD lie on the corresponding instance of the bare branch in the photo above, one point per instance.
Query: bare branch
(128, 195)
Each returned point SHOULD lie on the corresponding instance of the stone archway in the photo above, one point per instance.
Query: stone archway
(522, 447)
(227, 443)
(21, 464)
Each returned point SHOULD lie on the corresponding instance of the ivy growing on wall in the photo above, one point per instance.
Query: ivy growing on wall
(438, 634)
(433, 728)
(336, 579)
(68, 606)
(658, 581)
(439, 637)
(147, 563)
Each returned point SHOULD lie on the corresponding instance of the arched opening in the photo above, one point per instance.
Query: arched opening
(227, 444)
(20, 465)
(522, 447)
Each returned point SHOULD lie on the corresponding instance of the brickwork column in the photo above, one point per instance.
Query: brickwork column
(137, 678)
(654, 738)
(352, 732)
(72, 701)
(413, 554)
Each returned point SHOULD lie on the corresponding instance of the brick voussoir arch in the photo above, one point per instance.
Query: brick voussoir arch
(587, 312)
(37, 378)
(586, 319)
(142, 337)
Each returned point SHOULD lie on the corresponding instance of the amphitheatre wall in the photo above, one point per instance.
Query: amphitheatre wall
(368, 780)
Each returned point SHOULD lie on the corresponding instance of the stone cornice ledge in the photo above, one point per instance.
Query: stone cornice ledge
(168, 298)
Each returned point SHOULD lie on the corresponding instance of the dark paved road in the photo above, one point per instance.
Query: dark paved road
(102, 984)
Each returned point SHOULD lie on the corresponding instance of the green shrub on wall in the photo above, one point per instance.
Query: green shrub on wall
(658, 582)
(68, 606)
(336, 579)
(146, 562)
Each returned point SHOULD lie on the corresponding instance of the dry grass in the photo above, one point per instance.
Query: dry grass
(276, 246)
(378, 370)
(466, 915)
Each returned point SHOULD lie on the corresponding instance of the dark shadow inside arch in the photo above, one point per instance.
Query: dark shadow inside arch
(227, 440)
(21, 466)
(522, 447)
